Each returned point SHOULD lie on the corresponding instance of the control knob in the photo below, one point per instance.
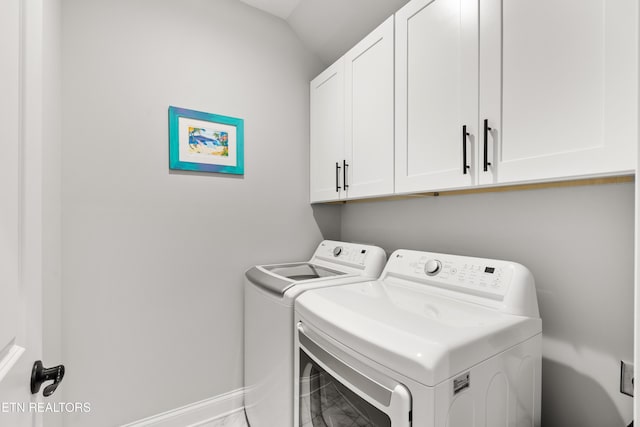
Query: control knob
(337, 250)
(432, 267)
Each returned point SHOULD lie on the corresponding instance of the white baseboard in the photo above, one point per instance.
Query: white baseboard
(196, 413)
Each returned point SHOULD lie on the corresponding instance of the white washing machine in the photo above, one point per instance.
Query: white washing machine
(270, 291)
(437, 341)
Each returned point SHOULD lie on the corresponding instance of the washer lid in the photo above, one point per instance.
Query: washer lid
(278, 278)
(420, 335)
(302, 271)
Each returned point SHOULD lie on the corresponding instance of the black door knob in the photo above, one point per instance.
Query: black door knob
(40, 374)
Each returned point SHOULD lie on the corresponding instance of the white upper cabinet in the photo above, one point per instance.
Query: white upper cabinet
(352, 122)
(558, 88)
(369, 114)
(436, 95)
(327, 134)
(484, 92)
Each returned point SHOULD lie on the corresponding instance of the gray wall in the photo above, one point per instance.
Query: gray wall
(578, 242)
(153, 259)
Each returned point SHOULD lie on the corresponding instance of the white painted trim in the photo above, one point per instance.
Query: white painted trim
(196, 414)
(636, 267)
(8, 360)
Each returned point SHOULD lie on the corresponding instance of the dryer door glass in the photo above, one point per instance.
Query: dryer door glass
(326, 402)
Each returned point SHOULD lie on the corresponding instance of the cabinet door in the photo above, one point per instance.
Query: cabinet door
(327, 134)
(558, 86)
(436, 94)
(369, 114)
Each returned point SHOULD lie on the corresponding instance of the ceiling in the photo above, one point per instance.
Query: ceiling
(329, 28)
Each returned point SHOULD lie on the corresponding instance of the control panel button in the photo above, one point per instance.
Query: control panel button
(337, 250)
(432, 267)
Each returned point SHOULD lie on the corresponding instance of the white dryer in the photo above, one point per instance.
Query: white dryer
(437, 341)
(269, 294)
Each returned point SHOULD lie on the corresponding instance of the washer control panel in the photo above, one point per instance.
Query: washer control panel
(478, 276)
(349, 253)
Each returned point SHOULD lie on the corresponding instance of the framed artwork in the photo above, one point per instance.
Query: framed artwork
(205, 142)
